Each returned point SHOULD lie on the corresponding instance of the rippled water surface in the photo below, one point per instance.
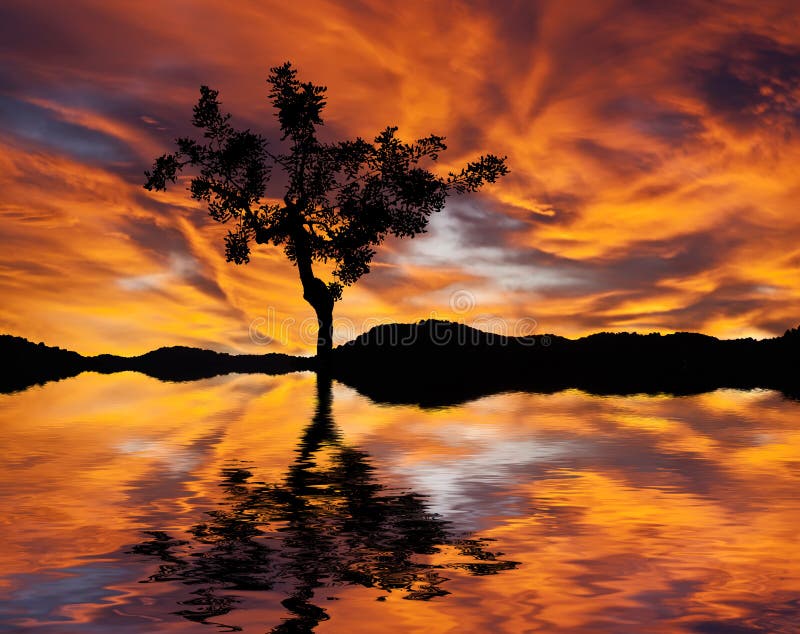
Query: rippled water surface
(278, 504)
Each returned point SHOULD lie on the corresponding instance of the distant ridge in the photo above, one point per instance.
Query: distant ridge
(25, 363)
(434, 363)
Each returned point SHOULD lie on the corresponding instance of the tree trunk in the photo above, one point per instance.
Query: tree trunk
(316, 293)
(325, 332)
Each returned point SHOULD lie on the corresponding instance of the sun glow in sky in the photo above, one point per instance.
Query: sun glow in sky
(653, 146)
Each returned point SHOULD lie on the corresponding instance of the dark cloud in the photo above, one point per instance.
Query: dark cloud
(479, 225)
(170, 247)
(656, 190)
(46, 129)
(565, 207)
(623, 163)
(24, 31)
(552, 206)
(67, 41)
(661, 122)
(730, 299)
(634, 271)
(158, 239)
(647, 261)
(778, 323)
(751, 80)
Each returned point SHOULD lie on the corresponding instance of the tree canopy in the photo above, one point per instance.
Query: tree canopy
(340, 199)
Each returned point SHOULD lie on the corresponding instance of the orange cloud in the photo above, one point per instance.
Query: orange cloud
(653, 151)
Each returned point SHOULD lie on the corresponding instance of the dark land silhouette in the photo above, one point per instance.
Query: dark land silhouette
(26, 364)
(329, 522)
(449, 363)
(434, 363)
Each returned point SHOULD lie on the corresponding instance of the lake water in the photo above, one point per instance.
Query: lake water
(274, 504)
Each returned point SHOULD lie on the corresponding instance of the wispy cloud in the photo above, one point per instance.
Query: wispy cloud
(653, 149)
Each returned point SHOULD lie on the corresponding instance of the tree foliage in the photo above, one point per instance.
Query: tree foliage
(340, 200)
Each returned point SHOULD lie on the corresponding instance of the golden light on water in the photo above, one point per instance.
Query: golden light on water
(665, 511)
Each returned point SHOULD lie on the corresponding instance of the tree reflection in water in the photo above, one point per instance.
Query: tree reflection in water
(329, 523)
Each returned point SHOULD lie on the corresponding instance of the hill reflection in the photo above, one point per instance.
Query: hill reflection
(329, 522)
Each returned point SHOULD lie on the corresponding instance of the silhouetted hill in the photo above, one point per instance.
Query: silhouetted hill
(181, 363)
(25, 363)
(437, 363)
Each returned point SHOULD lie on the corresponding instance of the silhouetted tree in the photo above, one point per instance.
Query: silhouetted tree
(341, 199)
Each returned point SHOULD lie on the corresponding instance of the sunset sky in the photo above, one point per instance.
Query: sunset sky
(654, 150)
